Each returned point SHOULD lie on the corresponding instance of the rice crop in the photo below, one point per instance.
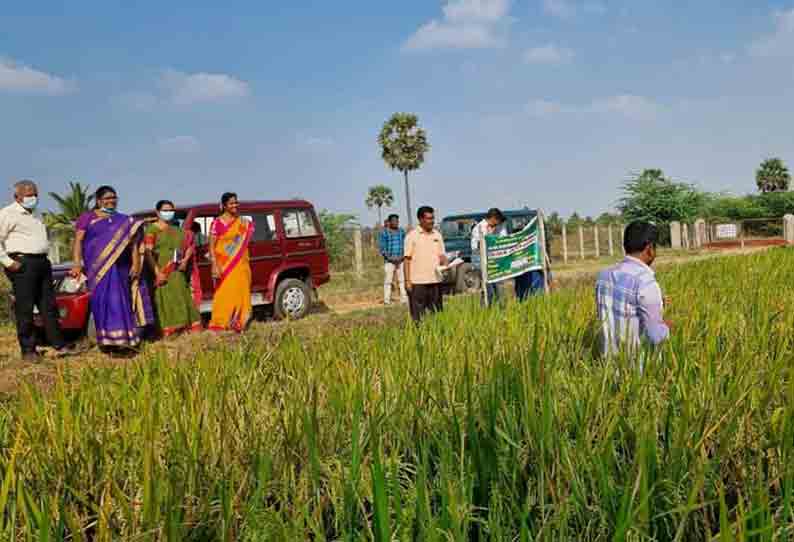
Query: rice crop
(500, 424)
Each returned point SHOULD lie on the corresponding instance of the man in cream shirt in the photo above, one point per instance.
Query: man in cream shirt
(424, 253)
(23, 255)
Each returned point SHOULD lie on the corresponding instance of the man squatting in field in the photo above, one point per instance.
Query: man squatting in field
(628, 298)
(424, 252)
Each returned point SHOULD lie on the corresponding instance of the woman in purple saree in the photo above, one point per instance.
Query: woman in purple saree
(107, 244)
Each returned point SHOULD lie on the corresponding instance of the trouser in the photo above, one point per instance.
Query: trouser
(494, 291)
(389, 270)
(528, 284)
(424, 298)
(32, 286)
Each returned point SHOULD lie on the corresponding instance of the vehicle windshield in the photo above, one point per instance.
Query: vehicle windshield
(518, 223)
(460, 227)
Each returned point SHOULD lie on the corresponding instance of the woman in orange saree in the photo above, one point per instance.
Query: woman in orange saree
(230, 235)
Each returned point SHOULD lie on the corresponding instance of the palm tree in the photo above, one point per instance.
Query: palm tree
(71, 205)
(379, 196)
(403, 146)
(772, 176)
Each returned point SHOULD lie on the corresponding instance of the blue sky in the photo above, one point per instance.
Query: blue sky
(549, 103)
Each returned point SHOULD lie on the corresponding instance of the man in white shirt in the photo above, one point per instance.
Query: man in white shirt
(23, 254)
(492, 224)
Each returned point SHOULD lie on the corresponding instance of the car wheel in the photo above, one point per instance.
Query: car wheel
(293, 300)
(468, 279)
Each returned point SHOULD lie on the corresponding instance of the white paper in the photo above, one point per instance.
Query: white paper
(451, 265)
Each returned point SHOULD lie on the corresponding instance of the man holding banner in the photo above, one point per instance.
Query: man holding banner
(516, 255)
(533, 282)
(492, 224)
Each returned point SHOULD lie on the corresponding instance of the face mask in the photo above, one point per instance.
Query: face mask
(108, 211)
(30, 202)
(168, 216)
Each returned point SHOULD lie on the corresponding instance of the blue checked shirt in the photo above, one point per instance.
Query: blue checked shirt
(392, 243)
(630, 306)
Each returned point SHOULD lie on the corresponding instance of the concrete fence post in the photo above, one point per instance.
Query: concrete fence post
(675, 235)
(685, 236)
(581, 242)
(788, 229)
(597, 242)
(700, 233)
(741, 234)
(564, 243)
(609, 237)
(359, 257)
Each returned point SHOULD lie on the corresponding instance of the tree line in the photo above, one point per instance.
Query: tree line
(649, 195)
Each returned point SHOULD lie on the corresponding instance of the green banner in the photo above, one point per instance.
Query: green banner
(513, 255)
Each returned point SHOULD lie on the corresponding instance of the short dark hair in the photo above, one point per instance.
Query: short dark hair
(392, 216)
(101, 192)
(163, 202)
(226, 197)
(638, 236)
(423, 210)
(494, 212)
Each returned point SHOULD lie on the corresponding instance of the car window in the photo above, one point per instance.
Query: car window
(264, 226)
(298, 223)
(458, 228)
(518, 223)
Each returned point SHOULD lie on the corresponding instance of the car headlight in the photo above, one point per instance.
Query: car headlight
(69, 285)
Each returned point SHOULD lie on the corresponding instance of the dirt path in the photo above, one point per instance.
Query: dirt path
(372, 299)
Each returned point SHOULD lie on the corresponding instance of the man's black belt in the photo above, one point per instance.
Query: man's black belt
(15, 255)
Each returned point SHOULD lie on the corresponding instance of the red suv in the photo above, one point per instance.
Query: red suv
(288, 258)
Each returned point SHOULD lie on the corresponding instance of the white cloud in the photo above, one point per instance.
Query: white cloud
(780, 42)
(625, 105)
(565, 9)
(180, 145)
(548, 54)
(628, 105)
(467, 24)
(21, 79)
(188, 89)
(436, 35)
(476, 10)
